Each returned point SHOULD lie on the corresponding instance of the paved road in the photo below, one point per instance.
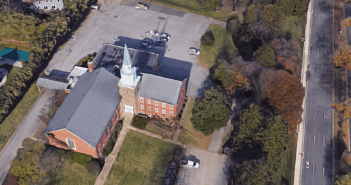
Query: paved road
(213, 170)
(27, 129)
(318, 146)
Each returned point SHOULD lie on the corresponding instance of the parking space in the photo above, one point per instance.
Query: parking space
(129, 25)
(214, 168)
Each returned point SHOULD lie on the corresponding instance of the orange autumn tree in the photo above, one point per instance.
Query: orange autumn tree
(285, 94)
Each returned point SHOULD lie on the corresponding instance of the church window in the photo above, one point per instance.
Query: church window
(111, 124)
(141, 99)
(156, 109)
(163, 105)
(106, 132)
(171, 106)
(163, 112)
(116, 116)
(142, 106)
(70, 143)
(149, 101)
(156, 103)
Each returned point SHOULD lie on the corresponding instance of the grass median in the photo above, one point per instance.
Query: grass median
(10, 124)
(189, 135)
(141, 160)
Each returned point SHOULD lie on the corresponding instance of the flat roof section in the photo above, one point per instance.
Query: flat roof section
(110, 57)
(75, 75)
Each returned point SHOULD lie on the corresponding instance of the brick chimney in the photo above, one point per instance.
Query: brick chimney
(91, 66)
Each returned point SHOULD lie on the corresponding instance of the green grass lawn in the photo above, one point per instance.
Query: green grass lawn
(208, 54)
(141, 160)
(23, 48)
(189, 135)
(10, 124)
(192, 7)
(154, 130)
(76, 174)
(287, 165)
(11, 75)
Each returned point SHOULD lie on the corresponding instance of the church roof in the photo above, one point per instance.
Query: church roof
(126, 57)
(88, 107)
(159, 87)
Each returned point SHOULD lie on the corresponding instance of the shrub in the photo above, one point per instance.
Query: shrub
(93, 167)
(250, 14)
(139, 122)
(207, 39)
(208, 4)
(80, 158)
(292, 7)
(232, 26)
(265, 55)
(84, 61)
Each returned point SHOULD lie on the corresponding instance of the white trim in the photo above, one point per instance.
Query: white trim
(141, 99)
(171, 113)
(171, 106)
(142, 106)
(163, 105)
(149, 101)
(164, 118)
(142, 112)
(149, 108)
(156, 109)
(149, 114)
(163, 112)
(75, 148)
(156, 103)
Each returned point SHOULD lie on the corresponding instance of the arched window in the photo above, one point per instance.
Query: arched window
(70, 143)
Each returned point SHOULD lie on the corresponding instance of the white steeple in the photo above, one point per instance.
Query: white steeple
(128, 72)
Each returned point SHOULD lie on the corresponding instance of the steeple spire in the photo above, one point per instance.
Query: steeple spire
(126, 57)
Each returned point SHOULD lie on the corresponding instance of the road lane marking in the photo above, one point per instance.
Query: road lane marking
(323, 141)
(323, 171)
(315, 113)
(316, 89)
(314, 139)
(313, 168)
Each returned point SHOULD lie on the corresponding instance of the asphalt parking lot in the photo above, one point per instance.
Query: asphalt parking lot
(213, 170)
(128, 25)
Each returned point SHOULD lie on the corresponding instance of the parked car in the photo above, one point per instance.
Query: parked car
(141, 6)
(194, 51)
(189, 163)
(147, 43)
(153, 32)
(72, 38)
(168, 36)
(95, 7)
(160, 43)
(162, 39)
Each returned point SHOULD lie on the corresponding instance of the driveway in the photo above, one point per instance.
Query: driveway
(27, 129)
(213, 170)
(128, 25)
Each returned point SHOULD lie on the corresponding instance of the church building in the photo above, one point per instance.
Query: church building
(86, 119)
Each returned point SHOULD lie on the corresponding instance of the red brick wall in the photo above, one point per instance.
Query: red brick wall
(82, 146)
(175, 109)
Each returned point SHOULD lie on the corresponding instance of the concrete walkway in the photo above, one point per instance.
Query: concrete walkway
(300, 140)
(109, 161)
(26, 129)
(217, 137)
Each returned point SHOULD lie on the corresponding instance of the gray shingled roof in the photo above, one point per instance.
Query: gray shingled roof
(89, 106)
(160, 88)
(51, 82)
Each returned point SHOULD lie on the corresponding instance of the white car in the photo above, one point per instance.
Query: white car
(194, 51)
(152, 32)
(141, 6)
(189, 163)
(168, 36)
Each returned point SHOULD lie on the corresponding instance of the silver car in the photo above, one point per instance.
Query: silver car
(194, 51)
(189, 163)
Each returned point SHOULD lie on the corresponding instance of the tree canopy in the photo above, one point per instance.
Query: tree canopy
(251, 172)
(251, 13)
(210, 112)
(232, 26)
(285, 94)
(292, 7)
(273, 18)
(207, 39)
(207, 5)
(265, 55)
(344, 180)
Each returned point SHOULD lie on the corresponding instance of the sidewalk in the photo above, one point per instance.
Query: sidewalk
(301, 126)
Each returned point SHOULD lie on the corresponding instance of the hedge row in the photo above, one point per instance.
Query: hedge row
(113, 139)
